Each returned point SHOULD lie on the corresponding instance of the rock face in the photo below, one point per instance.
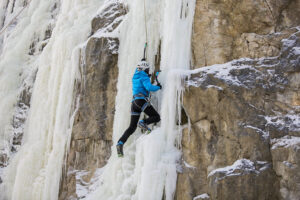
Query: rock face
(286, 161)
(227, 30)
(244, 115)
(244, 135)
(91, 140)
(236, 181)
(92, 130)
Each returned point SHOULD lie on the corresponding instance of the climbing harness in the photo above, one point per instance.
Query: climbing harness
(142, 108)
(141, 96)
(11, 21)
(146, 43)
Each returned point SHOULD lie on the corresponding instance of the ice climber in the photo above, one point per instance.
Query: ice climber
(141, 88)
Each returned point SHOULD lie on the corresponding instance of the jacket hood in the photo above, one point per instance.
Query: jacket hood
(139, 74)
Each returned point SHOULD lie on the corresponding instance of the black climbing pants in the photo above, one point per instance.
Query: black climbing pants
(137, 107)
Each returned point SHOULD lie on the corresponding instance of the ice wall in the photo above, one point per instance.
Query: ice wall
(16, 63)
(148, 169)
(34, 172)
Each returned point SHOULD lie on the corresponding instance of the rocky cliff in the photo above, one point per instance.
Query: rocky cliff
(242, 140)
(244, 134)
(227, 30)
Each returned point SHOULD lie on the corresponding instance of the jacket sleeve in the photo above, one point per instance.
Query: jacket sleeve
(149, 87)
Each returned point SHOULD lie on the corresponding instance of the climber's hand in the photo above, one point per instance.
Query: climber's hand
(159, 85)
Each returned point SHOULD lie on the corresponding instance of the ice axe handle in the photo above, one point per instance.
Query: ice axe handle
(145, 49)
(156, 75)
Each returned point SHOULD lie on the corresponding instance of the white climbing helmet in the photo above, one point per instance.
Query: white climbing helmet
(143, 65)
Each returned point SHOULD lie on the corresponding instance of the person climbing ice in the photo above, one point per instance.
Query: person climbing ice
(141, 88)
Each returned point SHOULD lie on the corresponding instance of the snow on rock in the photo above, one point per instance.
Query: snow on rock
(224, 72)
(291, 122)
(202, 196)
(106, 23)
(250, 73)
(239, 167)
(188, 165)
(236, 178)
(285, 142)
(263, 133)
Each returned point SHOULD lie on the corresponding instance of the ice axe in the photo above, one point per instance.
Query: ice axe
(156, 75)
(145, 49)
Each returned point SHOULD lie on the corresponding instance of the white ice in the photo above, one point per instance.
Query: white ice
(148, 169)
(34, 173)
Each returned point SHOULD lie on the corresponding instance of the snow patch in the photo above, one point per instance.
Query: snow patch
(220, 71)
(289, 165)
(296, 50)
(188, 165)
(292, 121)
(264, 134)
(243, 165)
(111, 29)
(285, 142)
(202, 196)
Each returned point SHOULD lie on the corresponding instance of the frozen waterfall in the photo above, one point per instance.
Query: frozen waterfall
(148, 170)
(34, 172)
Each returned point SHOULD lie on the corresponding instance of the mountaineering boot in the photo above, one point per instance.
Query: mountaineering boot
(120, 149)
(144, 126)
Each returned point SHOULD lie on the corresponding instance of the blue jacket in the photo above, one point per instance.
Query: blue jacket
(141, 84)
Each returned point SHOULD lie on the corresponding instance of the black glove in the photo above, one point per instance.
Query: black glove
(159, 85)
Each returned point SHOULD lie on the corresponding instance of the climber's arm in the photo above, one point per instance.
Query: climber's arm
(149, 87)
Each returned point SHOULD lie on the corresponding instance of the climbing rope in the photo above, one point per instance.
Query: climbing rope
(145, 19)
(11, 21)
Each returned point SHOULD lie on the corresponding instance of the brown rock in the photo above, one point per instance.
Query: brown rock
(109, 18)
(227, 30)
(234, 110)
(243, 180)
(92, 130)
(286, 161)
